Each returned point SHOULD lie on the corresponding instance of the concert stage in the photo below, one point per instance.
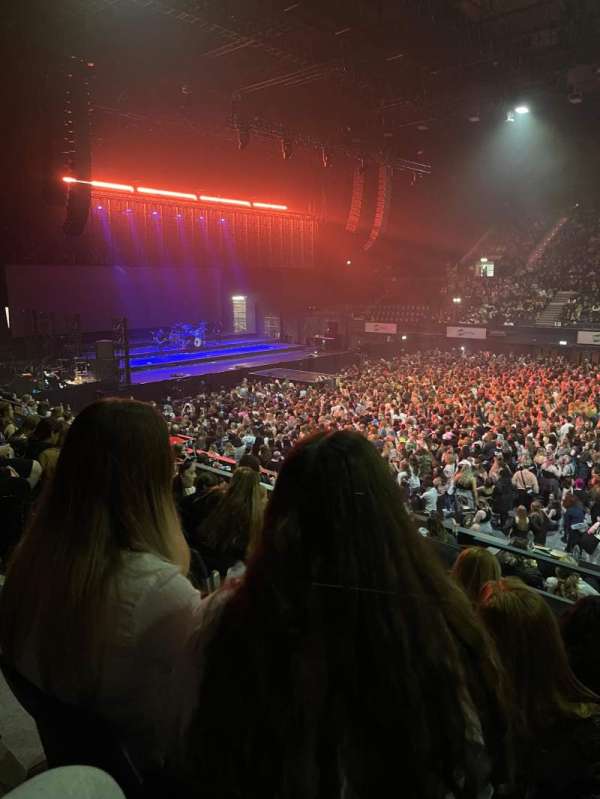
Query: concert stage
(149, 364)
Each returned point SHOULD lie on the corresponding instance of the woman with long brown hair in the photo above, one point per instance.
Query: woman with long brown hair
(556, 720)
(346, 659)
(96, 608)
(230, 532)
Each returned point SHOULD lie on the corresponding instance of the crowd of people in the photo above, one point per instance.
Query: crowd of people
(309, 626)
(526, 280)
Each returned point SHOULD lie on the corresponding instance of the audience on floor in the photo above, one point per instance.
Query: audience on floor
(282, 627)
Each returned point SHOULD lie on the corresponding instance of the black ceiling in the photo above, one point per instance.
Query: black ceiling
(345, 73)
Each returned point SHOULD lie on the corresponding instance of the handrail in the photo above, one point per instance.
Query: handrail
(534, 554)
(227, 475)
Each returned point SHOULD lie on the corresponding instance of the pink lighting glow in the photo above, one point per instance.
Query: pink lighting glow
(207, 198)
(224, 200)
(164, 193)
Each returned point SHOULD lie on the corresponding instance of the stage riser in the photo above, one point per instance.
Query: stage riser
(181, 360)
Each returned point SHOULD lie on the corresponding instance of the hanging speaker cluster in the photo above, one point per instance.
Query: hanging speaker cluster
(382, 205)
(77, 139)
(358, 192)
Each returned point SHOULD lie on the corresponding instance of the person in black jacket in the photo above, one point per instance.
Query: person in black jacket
(503, 496)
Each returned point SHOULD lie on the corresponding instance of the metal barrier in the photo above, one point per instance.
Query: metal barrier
(227, 475)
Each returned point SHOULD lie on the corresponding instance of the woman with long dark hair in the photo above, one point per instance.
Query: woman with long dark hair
(96, 608)
(346, 658)
(230, 531)
(556, 720)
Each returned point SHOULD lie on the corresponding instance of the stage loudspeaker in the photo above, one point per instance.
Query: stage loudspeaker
(382, 205)
(105, 349)
(78, 209)
(78, 108)
(106, 367)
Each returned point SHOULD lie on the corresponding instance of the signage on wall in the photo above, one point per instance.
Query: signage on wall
(466, 332)
(588, 337)
(390, 328)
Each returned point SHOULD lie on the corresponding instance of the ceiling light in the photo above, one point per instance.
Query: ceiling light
(522, 109)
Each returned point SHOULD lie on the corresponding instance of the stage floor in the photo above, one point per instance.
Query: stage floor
(224, 351)
(277, 353)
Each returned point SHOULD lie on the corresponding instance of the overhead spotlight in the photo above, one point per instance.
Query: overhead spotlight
(575, 98)
(348, 262)
(286, 149)
(325, 157)
(510, 117)
(522, 109)
(243, 137)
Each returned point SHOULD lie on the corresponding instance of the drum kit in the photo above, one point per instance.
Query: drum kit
(182, 336)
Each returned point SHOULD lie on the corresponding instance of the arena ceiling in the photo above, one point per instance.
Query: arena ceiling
(362, 75)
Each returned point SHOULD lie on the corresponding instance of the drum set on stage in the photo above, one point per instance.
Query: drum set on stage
(182, 336)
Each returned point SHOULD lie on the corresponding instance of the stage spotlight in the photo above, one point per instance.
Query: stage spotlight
(522, 109)
(510, 117)
(562, 343)
(99, 207)
(483, 260)
(348, 262)
(286, 149)
(457, 300)
(404, 338)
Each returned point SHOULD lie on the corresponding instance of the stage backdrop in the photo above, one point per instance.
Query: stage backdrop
(147, 296)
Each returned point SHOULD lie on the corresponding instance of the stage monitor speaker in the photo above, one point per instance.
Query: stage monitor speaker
(105, 349)
(106, 367)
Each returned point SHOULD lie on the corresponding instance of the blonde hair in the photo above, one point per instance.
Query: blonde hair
(111, 493)
(473, 568)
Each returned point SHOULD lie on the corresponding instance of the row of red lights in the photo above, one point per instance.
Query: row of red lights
(182, 195)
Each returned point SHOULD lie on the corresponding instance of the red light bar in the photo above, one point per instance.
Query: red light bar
(224, 200)
(164, 193)
(183, 195)
(101, 184)
(271, 206)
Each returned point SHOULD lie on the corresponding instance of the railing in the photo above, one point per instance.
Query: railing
(227, 475)
(468, 537)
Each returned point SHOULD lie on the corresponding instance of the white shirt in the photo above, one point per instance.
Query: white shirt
(155, 610)
(431, 497)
